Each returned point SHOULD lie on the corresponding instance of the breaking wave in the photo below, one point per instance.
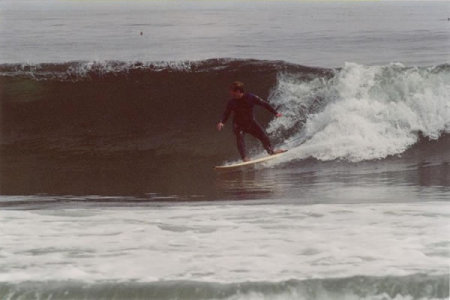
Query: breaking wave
(363, 113)
(354, 113)
(163, 114)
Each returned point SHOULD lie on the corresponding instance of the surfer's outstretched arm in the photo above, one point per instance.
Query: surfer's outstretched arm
(257, 100)
(225, 116)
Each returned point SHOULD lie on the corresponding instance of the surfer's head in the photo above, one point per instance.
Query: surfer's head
(237, 89)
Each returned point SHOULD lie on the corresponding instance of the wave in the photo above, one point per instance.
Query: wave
(417, 286)
(354, 113)
(164, 114)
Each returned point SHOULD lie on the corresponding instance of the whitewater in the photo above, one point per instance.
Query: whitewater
(377, 251)
(371, 112)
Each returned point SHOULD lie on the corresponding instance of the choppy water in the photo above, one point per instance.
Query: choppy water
(254, 249)
(108, 141)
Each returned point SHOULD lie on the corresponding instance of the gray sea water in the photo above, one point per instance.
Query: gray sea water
(313, 33)
(108, 143)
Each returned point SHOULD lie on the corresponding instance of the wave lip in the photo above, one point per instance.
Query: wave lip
(79, 70)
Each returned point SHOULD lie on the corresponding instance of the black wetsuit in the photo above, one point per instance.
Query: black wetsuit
(244, 120)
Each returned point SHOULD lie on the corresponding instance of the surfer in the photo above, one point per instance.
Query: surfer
(242, 104)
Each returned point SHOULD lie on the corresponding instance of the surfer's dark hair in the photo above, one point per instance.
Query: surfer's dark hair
(237, 86)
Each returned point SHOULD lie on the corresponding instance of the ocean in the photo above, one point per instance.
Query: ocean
(108, 143)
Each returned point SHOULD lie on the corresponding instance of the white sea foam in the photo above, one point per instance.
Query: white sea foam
(224, 243)
(365, 112)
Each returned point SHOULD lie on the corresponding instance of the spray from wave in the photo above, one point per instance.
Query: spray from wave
(363, 112)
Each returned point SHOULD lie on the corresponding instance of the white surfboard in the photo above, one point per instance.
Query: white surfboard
(250, 162)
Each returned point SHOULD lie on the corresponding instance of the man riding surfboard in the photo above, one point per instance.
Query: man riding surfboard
(241, 104)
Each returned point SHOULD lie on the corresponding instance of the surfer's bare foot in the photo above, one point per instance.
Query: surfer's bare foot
(246, 159)
(278, 151)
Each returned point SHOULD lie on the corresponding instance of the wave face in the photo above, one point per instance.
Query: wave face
(164, 101)
(163, 114)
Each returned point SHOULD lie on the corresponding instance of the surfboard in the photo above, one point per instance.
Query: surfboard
(250, 162)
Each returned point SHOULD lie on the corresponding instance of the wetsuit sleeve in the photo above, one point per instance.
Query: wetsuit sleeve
(264, 104)
(226, 113)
